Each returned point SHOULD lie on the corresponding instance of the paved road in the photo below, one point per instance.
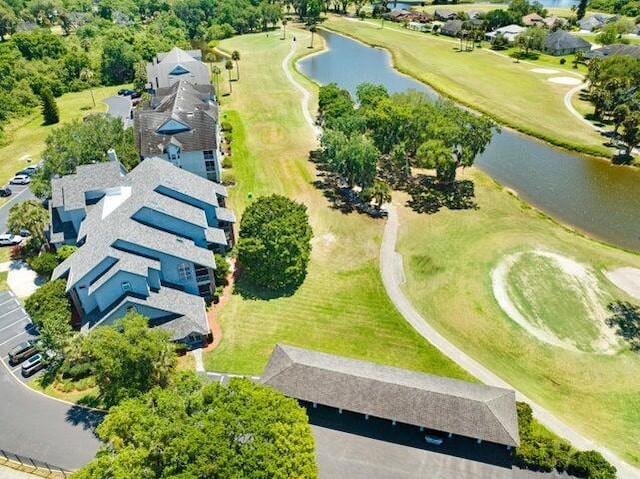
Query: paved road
(20, 193)
(15, 327)
(120, 107)
(389, 268)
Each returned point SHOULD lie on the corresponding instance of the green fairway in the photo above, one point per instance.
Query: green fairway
(450, 260)
(342, 307)
(487, 81)
(27, 135)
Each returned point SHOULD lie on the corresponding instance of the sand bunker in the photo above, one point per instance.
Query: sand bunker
(582, 280)
(565, 80)
(545, 71)
(325, 239)
(627, 279)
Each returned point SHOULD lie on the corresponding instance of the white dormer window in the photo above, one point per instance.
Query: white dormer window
(184, 272)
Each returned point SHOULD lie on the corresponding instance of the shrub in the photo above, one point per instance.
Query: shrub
(44, 264)
(590, 465)
(226, 126)
(226, 162)
(222, 269)
(228, 178)
(275, 242)
(563, 61)
(49, 302)
(228, 137)
(65, 251)
(50, 110)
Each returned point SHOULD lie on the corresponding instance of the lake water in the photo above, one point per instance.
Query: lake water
(593, 196)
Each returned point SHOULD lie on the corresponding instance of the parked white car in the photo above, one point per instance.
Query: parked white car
(10, 240)
(20, 180)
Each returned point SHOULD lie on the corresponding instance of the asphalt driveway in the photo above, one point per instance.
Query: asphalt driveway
(120, 107)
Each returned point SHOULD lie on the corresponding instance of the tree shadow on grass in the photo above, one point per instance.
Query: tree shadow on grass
(249, 290)
(625, 320)
(429, 196)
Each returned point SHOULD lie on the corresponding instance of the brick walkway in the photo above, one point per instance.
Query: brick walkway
(215, 308)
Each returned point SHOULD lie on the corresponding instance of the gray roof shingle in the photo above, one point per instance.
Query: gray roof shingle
(444, 404)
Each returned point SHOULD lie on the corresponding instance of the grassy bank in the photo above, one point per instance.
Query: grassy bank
(342, 307)
(493, 84)
(449, 258)
(26, 136)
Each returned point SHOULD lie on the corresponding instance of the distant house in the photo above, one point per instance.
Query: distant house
(398, 15)
(171, 67)
(533, 19)
(594, 22)
(554, 21)
(510, 32)
(617, 49)
(452, 28)
(443, 14)
(561, 42)
(419, 27)
(146, 240)
(449, 406)
(181, 126)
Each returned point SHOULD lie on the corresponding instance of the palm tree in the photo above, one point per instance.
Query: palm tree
(381, 193)
(313, 29)
(284, 29)
(228, 65)
(216, 76)
(86, 75)
(235, 56)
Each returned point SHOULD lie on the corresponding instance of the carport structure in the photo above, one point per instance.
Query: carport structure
(451, 406)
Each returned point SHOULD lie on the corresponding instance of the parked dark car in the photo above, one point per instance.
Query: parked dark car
(6, 191)
(23, 351)
(126, 92)
(30, 170)
(135, 95)
(33, 365)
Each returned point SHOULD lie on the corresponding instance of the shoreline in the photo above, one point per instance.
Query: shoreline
(557, 144)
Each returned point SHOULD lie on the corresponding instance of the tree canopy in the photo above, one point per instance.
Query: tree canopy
(190, 430)
(80, 143)
(129, 358)
(28, 215)
(275, 242)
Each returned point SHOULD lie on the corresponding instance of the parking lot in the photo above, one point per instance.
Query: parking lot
(15, 327)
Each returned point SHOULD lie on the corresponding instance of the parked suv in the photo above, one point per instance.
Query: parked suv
(5, 191)
(10, 240)
(23, 351)
(33, 365)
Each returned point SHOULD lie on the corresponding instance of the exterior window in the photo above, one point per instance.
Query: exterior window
(210, 165)
(208, 154)
(184, 272)
(126, 286)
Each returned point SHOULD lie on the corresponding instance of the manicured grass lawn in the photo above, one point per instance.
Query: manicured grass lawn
(342, 307)
(3, 280)
(497, 86)
(449, 258)
(88, 397)
(26, 136)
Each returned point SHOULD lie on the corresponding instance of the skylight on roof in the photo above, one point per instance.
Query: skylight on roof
(179, 70)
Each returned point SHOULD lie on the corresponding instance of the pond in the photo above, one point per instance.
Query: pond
(591, 195)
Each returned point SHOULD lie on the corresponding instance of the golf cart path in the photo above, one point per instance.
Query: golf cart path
(392, 277)
(388, 267)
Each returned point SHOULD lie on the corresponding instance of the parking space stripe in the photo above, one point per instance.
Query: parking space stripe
(10, 299)
(14, 337)
(14, 323)
(7, 314)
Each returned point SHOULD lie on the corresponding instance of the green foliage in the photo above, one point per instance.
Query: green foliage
(499, 42)
(630, 8)
(222, 269)
(379, 193)
(28, 215)
(226, 126)
(499, 18)
(540, 450)
(39, 44)
(44, 264)
(118, 61)
(129, 358)
(50, 110)
(49, 308)
(83, 142)
(520, 8)
(275, 243)
(625, 319)
(369, 95)
(190, 431)
(531, 39)
(65, 251)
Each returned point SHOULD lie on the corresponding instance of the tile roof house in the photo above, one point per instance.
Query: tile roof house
(443, 404)
(177, 64)
(180, 125)
(532, 19)
(146, 241)
(562, 42)
(452, 28)
(443, 14)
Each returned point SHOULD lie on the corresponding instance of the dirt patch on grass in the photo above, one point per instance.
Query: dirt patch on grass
(627, 279)
(578, 280)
